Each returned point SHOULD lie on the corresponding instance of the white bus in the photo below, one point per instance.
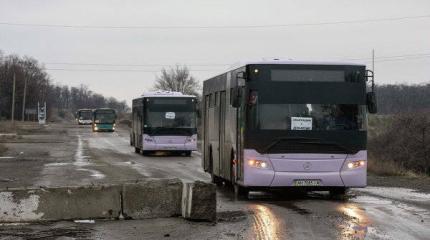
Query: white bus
(164, 121)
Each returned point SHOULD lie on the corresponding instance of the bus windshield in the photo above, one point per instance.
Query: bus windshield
(170, 113)
(104, 117)
(85, 115)
(321, 117)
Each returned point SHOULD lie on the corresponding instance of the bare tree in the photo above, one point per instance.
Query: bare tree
(34, 85)
(177, 79)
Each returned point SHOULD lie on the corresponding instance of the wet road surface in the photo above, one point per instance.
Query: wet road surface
(84, 157)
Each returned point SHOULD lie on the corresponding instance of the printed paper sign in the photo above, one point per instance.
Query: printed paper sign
(170, 115)
(301, 123)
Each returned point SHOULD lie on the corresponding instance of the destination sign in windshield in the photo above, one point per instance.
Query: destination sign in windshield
(307, 75)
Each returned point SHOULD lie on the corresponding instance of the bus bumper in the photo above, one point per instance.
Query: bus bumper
(270, 177)
(169, 147)
(100, 127)
(169, 143)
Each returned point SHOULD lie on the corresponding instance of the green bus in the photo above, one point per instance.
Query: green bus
(104, 120)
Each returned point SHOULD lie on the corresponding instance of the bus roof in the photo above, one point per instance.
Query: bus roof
(165, 94)
(295, 62)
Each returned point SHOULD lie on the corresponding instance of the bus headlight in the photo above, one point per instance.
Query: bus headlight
(258, 163)
(356, 164)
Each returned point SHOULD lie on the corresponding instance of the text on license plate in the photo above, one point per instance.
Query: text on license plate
(302, 183)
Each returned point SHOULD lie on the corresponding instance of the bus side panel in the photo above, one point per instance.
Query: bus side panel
(214, 138)
(137, 123)
(206, 163)
(225, 166)
(229, 128)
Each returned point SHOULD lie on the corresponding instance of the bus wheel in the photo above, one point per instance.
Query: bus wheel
(187, 153)
(240, 191)
(137, 150)
(338, 193)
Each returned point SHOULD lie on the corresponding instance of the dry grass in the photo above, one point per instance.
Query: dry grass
(388, 168)
(6, 127)
(19, 127)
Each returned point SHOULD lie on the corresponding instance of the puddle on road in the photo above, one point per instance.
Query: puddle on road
(57, 164)
(82, 160)
(356, 222)
(266, 224)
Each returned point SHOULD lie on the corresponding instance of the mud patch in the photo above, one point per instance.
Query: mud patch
(41, 232)
(232, 216)
(291, 206)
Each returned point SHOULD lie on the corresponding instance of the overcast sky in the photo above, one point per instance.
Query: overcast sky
(208, 50)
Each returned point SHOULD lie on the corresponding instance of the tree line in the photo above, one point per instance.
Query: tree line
(32, 80)
(402, 98)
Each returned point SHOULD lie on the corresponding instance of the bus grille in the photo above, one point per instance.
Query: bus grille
(306, 147)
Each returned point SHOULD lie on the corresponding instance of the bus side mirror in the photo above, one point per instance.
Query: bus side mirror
(371, 102)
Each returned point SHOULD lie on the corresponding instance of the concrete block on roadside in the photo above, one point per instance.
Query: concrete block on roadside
(152, 199)
(199, 201)
(62, 203)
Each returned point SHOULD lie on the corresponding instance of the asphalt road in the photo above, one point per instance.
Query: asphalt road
(77, 156)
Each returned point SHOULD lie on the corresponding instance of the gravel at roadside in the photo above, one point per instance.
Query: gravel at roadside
(421, 184)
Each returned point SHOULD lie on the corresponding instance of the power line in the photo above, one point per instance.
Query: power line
(215, 26)
(390, 57)
(207, 70)
(130, 65)
(378, 59)
(119, 70)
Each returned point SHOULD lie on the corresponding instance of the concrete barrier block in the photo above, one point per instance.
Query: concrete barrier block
(199, 201)
(63, 203)
(152, 198)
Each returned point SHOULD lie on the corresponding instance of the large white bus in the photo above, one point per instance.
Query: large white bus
(164, 121)
(274, 124)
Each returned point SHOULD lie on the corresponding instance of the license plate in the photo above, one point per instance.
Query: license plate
(306, 183)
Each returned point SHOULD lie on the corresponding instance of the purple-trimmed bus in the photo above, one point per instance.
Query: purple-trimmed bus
(164, 121)
(274, 124)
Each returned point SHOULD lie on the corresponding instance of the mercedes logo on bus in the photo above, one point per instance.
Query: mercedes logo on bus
(307, 166)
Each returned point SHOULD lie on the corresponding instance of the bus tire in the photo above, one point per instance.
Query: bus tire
(187, 153)
(241, 191)
(137, 150)
(338, 193)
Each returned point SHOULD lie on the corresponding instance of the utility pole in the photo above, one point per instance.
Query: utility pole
(23, 99)
(373, 61)
(13, 98)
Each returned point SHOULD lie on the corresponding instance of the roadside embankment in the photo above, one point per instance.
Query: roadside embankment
(151, 198)
(419, 183)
